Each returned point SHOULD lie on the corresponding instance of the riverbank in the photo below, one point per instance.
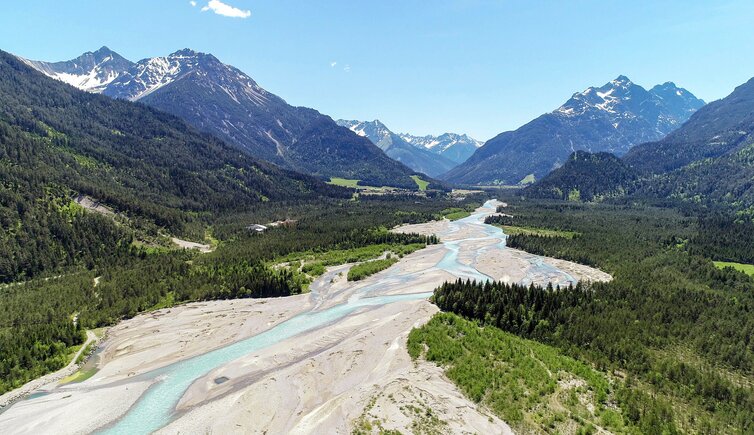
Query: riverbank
(50, 379)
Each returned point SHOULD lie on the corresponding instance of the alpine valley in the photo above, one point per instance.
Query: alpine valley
(184, 252)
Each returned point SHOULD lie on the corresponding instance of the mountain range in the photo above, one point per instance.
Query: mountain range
(429, 154)
(612, 118)
(219, 99)
(709, 160)
(453, 146)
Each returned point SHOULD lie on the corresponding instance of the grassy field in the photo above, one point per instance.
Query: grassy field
(306, 266)
(354, 184)
(458, 215)
(745, 268)
(511, 230)
(344, 182)
(455, 213)
(79, 376)
(529, 179)
(531, 386)
(369, 268)
(421, 183)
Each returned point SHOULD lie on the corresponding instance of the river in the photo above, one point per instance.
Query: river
(156, 408)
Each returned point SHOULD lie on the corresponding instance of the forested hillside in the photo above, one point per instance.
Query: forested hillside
(585, 177)
(57, 142)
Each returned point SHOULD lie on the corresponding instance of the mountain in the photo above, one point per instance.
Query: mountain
(715, 130)
(456, 147)
(584, 177)
(222, 100)
(418, 159)
(57, 143)
(610, 118)
(709, 161)
(92, 71)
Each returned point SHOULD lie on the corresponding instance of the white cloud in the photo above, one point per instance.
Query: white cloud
(332, 64)
(192, 3)
(347, 68)
(225, 10)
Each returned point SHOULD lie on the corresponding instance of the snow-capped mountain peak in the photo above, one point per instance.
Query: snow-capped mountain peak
(605, 98)
(375, 130)
(92, 71)
(415, 157)
(612, 118)
(105, 71)
(148, 75)
(456, 147)
(621, 100)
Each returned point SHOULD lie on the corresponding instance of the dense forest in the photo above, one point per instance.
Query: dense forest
(723, 238)
(676, 325)
(585, 177)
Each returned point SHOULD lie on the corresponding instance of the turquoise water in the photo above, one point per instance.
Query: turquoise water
(155, 408)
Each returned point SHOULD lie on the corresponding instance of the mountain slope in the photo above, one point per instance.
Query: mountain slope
(710, 160)
(584, 177)
(726, 181)
(418, 159)
(610, 118)
(221, 100)
(716, 129)
(455, 147)
(144, 163)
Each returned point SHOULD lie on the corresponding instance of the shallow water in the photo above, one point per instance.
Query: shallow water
(155, 408)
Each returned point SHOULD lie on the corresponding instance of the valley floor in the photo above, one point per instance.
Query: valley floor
(345, 373)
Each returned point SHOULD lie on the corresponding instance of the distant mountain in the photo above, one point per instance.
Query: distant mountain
(416, 158)
(709, 160)
(610, 118)
(456, 147)
(222, 100)
(585, 177)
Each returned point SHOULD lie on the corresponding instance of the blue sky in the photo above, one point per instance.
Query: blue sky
(421, 66)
